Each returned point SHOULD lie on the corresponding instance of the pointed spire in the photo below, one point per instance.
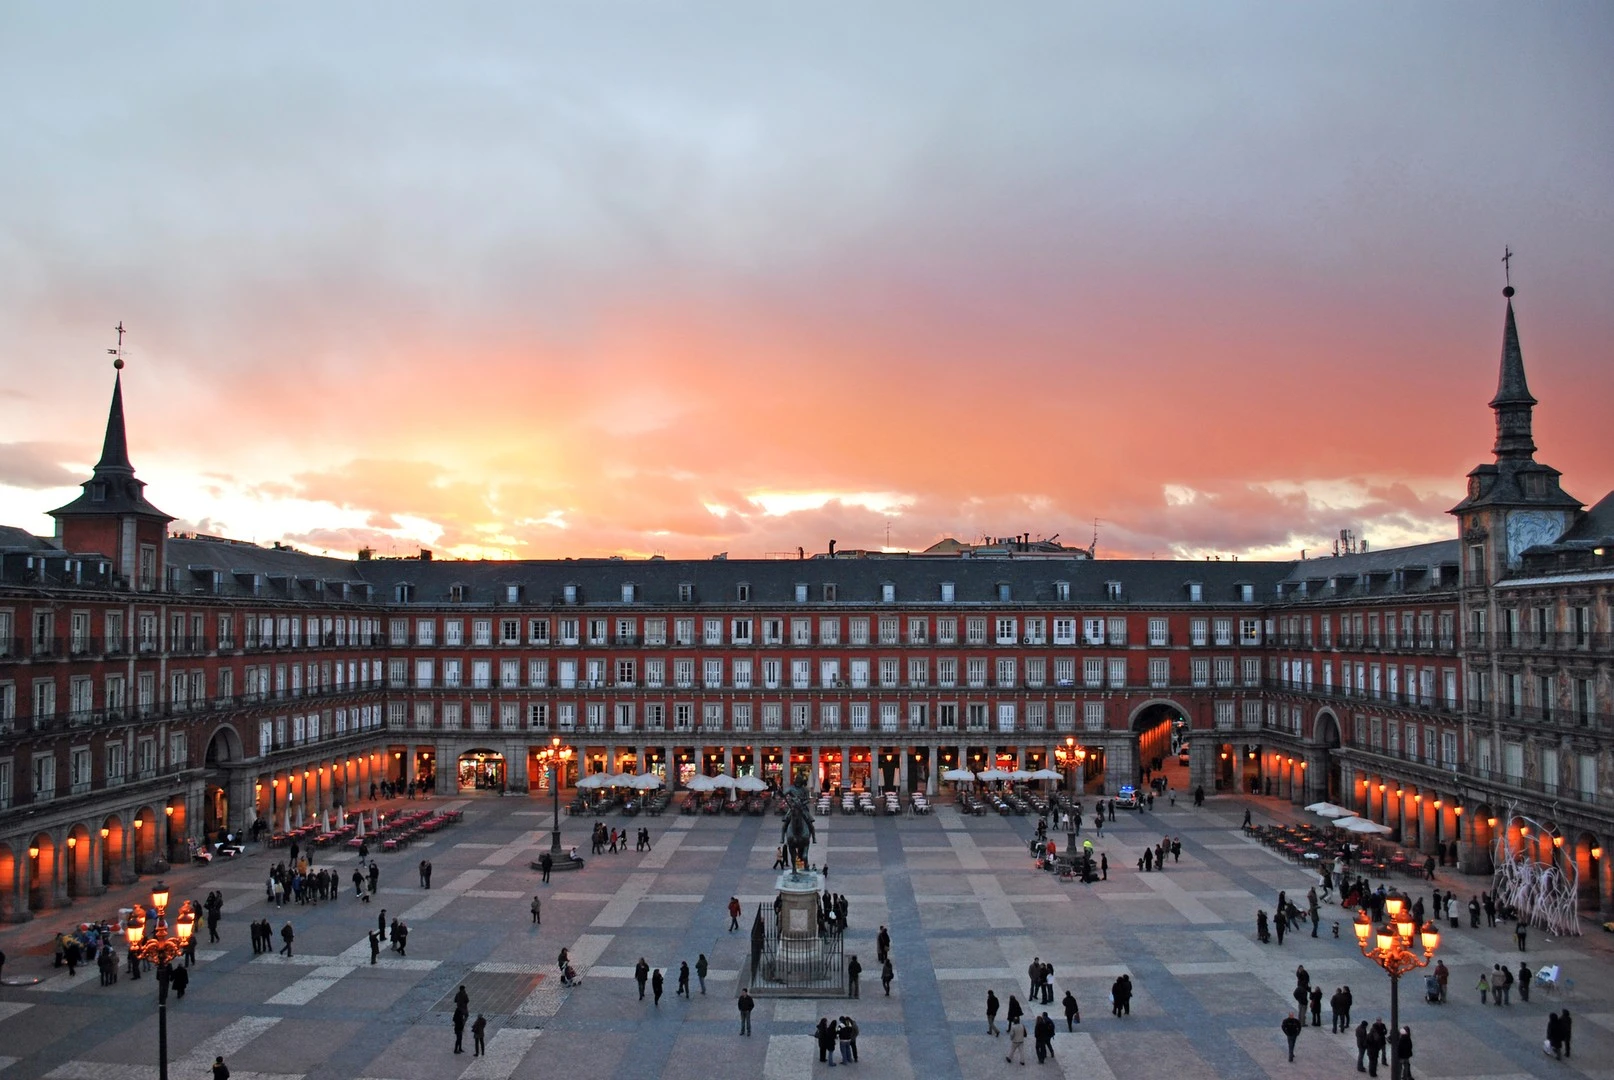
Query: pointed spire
(1511, 389)
(115, 447)
(1512, 403)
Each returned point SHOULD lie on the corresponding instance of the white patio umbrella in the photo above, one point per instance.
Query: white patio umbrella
(1341, 822)
(1328, 809)
(701, 783)
(958, 774)
(288, 818)
(359, 835)
(1363, 825)
(647, 782)
(751, 783)
(325, 821)
(1046, 774)
(1019, 775)
(994, 774)
(621, 780)
(594, 781)
(724, 780)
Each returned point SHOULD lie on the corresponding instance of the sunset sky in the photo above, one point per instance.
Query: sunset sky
(587, 279)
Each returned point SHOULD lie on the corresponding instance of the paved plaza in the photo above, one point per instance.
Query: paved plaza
(966, 910)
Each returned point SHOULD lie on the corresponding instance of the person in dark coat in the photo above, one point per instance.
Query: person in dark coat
(179, 980)
(462, 1000)
(826, 1040)
(657, 983)
(683, 979)
(1363, 1041)
(991, 1013)
(478, 1030)
(459, 1030)
(641, 975)
(853, 970)
(1123, 995)
(1316, 1006)
(1566, 1025)
(1403, 1053)
(887, 973)
(1014, 1012)
(1073, 1012)
(221, 1071)
(1043, 1032)
(1291, 1030)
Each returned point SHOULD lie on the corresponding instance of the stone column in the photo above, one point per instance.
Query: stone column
(846, 766)
(902, 769)
(930, 772)
(728, 759)
(815, 781)
(1604, 870)
(14, 893)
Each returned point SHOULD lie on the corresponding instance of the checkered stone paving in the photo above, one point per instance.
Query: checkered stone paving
(966, 910)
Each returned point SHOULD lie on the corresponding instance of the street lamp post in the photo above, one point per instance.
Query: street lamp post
(162, 949)
(554, 758)
(1391, 947)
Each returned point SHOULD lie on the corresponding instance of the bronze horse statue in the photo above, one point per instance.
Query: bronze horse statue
(798, 831)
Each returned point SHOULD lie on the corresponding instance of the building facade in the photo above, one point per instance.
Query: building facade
(156, 690)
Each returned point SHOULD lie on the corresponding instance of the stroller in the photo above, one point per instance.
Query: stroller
(1431, 989)
(570, 977)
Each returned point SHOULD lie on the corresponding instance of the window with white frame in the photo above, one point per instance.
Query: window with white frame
(1093, 631)
(1093, 715)
(801, 631)
(1159, 633)
(975, 630)
(1224, 715)
(1064, 671)
(947, 672)
(1064, 631)
(1159, 672)
(829, 716)
(1117, 667)
(888, 632)
(829, 630)
(1006, 630)
(975, 671)
(947, 631)
(1092, 672)
(918, 671)
(1005, 672)
(740, 671)
(1036, 669)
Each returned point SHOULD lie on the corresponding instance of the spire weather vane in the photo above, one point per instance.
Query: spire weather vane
(117, 353)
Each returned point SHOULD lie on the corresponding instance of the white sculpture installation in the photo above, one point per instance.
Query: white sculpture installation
(1544, 894)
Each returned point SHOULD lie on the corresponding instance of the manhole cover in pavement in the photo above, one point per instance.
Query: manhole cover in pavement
(492, 993)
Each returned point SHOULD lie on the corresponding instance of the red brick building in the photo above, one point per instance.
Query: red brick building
(155, 690)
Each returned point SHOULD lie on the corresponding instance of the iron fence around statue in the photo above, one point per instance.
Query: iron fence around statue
(783, 966)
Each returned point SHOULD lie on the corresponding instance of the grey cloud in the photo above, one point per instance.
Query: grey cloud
(36, 465)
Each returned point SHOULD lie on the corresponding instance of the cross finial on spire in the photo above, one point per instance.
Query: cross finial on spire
(117, 353)
(1507, 268)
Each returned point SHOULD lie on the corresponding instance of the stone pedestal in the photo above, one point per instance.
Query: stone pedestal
(798, 904)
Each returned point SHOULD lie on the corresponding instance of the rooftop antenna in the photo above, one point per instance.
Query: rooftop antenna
(117, 353)
(887, 532)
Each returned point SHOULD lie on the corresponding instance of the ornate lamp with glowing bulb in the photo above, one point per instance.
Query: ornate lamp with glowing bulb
(162, 949)
(1391, 946)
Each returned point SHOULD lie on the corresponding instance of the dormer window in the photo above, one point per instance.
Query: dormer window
(458, 593)
(742, 593)
(686, 592)
(98, 492)
(801, 593)
(1062, 590)
(627, 592)
(888, 593)
(1005, 593)
(947, 592)
(1112, 590)
(829, 593)
(1196, 593)
(403, 593)
(512, 594)
(569, 593)
(1247, 593)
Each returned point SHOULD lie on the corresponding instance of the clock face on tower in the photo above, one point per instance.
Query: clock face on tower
(1527, 528)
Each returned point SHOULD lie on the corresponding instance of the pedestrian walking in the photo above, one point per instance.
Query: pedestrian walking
(734, 913)
(478, 1030)
(1017, 1041)
(883, 945)
(1524, 983)
(641, 975)
(375, 947)
(1073, 1012)
(843, 1032)
(1291, 1030)
(683, 979)
(221, 1071)
(1363, 1041)
(824, 1035)
(1518, 934)
(853, 970)
(1567, 1027)
(656, 985)
(886, 975)
(700, 971)
(991, 1013)
(459, 1031)
(286, 936)
(745, 1006)
(535, 912)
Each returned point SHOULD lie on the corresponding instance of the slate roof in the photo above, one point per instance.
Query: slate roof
(1388, 571)
(856, 581)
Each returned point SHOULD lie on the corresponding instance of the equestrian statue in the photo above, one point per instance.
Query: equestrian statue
(798, 831)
